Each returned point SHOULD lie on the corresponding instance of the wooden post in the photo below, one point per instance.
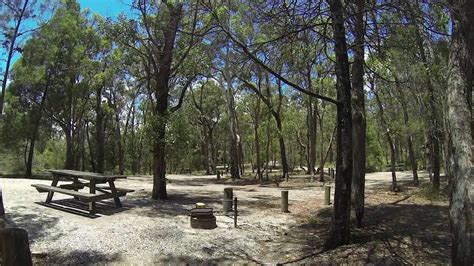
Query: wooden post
(235, 212)
(284, 201)
(228, 195)
(327, 195)
(218, 175)
(14, 247)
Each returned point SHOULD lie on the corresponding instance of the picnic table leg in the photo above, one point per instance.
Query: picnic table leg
(53, 184)
(114, 191)
(92, 191)
(76, 181)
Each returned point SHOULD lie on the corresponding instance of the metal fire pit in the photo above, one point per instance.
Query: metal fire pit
(203, 218)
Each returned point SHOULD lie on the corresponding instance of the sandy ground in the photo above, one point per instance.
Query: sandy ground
(147, 231)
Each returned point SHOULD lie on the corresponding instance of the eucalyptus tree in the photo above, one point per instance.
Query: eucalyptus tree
(340, 229)
(160, 40)
(208, 102)
(14, 16)
(459, 100)
(275, 110)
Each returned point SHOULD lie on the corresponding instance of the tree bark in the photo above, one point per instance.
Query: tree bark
(459, 102)
(358, 114)
(234, 153)
(340, 229)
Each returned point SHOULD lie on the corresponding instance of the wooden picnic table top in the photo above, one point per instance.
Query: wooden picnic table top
(85, 175)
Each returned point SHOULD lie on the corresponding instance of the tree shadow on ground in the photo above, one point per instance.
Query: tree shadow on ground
(76, 258)
(392, 234)
(33, 221)
(103, 208)
(203, 181)
(177, 203)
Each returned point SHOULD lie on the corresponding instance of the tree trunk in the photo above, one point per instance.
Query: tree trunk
(391, 144)
(435, 126)
(411, 152)
(36, 119)
(69, 148)
(118, 136)
(161, 91)
(267, 149)
(281, 141)
(257, 140)
(312, 131)
(11, 51)
(358, 114)
(213, 150)
(159, 151)
(99, 133)
(321, 147)
(459, 102)
(234, 153)
(340, 229)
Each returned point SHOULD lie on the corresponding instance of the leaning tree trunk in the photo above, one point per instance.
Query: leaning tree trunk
(281, 141)
(340, 228)
(459, 102)
(358, 114)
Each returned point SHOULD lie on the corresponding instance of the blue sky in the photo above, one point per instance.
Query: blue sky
(106, 8)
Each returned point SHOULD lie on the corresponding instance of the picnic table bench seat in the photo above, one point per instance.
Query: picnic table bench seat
(87, 197)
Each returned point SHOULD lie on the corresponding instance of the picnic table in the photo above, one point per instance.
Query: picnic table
(80, 180)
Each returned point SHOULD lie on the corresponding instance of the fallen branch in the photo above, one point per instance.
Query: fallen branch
(400, 200)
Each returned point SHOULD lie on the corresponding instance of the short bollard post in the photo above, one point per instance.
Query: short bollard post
(235, 212)
(284, 201)
(218, 175)
(228, 196)
(327, 195)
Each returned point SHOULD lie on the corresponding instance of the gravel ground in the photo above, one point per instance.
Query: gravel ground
(147, 231)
